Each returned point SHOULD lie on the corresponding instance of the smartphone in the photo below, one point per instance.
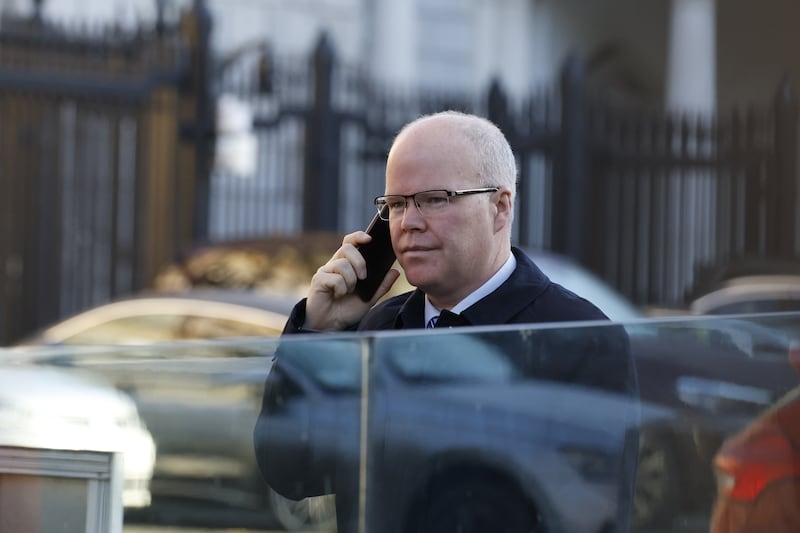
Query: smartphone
(379, 256)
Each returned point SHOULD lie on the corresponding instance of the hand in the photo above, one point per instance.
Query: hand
(332, 304)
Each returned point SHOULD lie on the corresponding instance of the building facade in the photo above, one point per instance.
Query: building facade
(692, 55)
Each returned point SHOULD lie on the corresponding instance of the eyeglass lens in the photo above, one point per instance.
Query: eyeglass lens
(426, 202)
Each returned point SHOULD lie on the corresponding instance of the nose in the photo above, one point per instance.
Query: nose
(412, 217)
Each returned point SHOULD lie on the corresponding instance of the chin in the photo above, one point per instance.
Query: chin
(419, 278)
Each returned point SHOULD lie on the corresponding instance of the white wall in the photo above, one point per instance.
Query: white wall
(622, 40)
(445, 42)
(292, 26)
(463, 43)
(757, 45)
(503, 44)
(127, 13)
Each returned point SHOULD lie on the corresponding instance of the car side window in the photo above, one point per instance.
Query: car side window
(130, 330)
(204, 327)
(162, 328)
(757, 306)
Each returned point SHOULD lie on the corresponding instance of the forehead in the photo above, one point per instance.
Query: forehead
(430, 156)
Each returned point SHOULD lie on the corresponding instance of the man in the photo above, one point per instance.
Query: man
(450, 191)
(458, 256)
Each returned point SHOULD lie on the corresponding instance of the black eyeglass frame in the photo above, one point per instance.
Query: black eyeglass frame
(383, 206)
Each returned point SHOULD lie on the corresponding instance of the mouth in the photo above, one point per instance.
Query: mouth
(415, 249)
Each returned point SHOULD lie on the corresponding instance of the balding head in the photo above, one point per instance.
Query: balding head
(451, 248)
(495, 161)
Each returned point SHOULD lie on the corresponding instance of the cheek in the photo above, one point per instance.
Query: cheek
(394, 234)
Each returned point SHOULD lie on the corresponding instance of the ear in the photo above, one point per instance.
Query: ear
(504, 210)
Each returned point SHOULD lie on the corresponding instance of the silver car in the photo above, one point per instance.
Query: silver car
(46, 408)
(200, 415)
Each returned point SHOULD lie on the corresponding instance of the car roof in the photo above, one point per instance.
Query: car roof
(279, 302)
(270, 310)
(749, 289)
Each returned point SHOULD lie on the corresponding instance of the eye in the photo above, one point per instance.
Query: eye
(396, 203)
(434, 200)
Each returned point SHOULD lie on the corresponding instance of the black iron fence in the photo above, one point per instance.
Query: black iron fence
(103, 140)
(642, 198)
(673, 194)
(105, 151)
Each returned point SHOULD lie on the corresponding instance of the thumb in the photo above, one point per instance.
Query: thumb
(388, 280)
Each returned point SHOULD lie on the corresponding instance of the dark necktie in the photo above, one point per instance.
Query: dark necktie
(448, 319)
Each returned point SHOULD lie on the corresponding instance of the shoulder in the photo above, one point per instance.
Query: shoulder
(562, 304)
(550, 302)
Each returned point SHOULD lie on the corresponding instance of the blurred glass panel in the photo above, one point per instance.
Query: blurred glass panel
(681, 424)
(500, 430)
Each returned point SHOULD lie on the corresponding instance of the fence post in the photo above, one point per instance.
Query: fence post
(570, 178)
(321, 165)
(497, 108)
(781, 192)
(193, 217)
(497, 111)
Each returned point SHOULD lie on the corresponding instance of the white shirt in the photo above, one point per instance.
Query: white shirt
(491, 284)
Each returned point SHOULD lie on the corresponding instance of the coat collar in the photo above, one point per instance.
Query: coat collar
(526, 283)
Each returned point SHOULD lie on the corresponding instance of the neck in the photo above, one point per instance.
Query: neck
(449, 301)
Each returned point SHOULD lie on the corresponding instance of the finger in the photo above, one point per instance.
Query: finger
(331, 283)
(356, 238)
(388, 281)
(356, 261)
(347, 268)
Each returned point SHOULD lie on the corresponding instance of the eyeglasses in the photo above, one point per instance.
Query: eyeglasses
(428, 202)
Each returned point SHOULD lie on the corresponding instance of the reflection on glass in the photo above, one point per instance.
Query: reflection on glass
(450, 359)
(482, 424)
(758, 470)
(496, 432)
(461, 430)
(714, 375)
(48, 408)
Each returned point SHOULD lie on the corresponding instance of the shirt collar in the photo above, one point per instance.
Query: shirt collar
(487, 288)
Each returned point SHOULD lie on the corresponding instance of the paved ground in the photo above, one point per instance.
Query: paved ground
(178, 529)
(176, 517)
(187, 517)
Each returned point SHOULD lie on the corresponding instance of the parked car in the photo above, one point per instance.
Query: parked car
(751, 294)
(758, 471)
(705, 384)
(680, 370)
(460, 433)
(168, 316)
(201, 419)
(748, 285)
(54, 409)
(185, 448)
(716, 374)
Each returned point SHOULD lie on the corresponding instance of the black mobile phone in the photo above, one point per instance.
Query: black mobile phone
(379, 256)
